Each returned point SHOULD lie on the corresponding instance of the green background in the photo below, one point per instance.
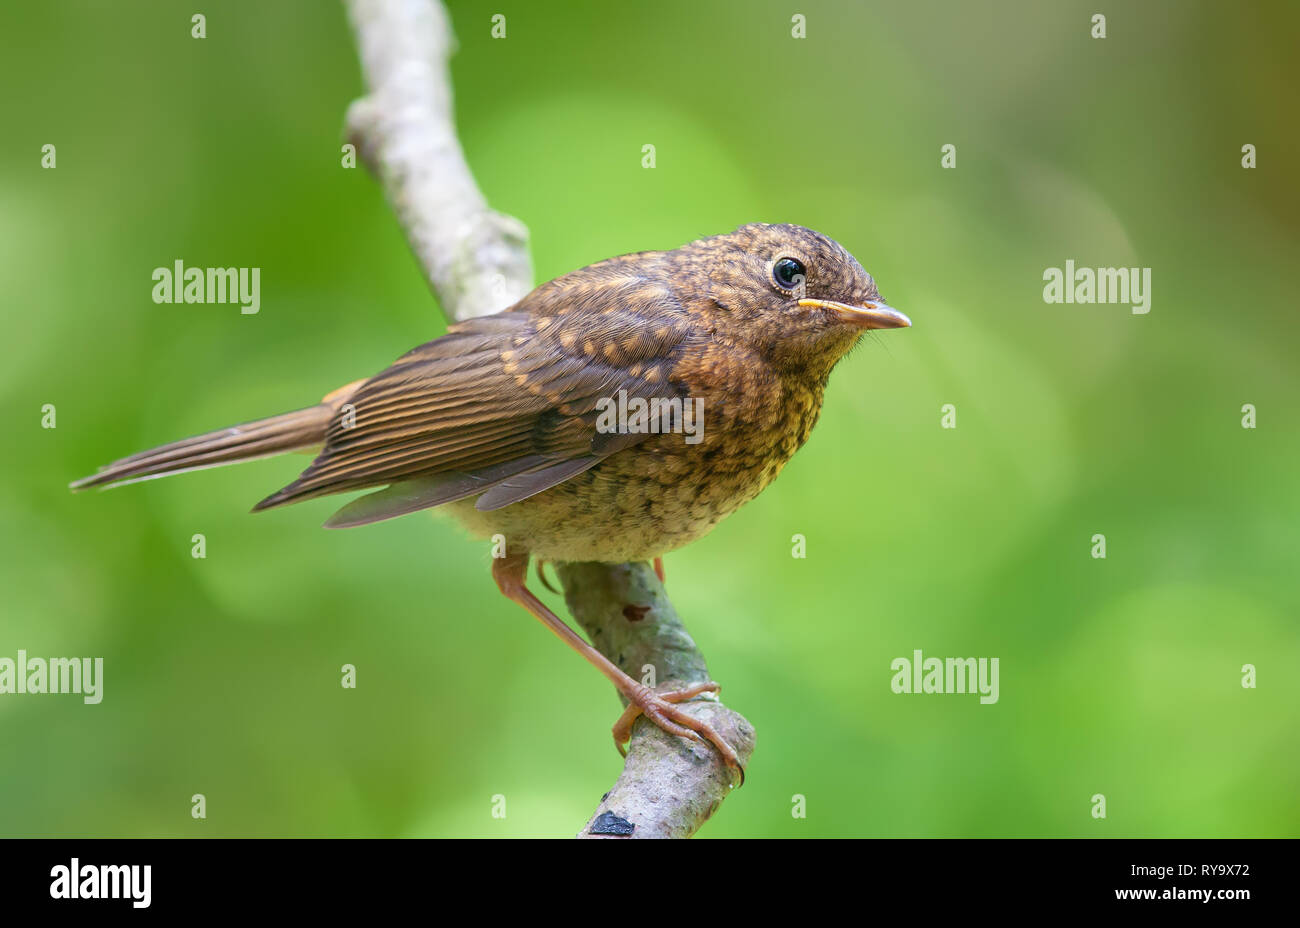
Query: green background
(1119, 676)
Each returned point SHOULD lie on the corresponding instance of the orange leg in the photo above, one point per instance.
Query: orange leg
(659, 569)
(541, 575)
(510, 573)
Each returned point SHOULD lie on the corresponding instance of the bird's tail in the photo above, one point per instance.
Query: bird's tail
(290, 431)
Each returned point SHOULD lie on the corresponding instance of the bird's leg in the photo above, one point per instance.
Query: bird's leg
(541, 575)
(659, 569)
(510, 574)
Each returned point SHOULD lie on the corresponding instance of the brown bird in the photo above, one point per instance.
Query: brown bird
(613, 414)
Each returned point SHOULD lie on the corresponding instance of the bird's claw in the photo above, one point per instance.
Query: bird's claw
(661, 709)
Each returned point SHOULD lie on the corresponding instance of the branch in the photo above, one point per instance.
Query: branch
(669, 786)
(476, 261)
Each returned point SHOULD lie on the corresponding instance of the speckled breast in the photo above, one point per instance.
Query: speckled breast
(663, 492)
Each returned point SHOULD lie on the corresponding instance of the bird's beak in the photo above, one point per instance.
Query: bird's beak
(868, 315)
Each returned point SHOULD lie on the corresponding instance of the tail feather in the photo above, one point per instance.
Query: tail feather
(290, 431)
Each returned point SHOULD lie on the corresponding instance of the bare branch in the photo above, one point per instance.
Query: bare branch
(476, 260)
(669, 786)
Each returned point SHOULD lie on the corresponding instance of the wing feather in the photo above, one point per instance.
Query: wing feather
(502, 407)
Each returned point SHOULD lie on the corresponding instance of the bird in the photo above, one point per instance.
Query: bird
(613, 414)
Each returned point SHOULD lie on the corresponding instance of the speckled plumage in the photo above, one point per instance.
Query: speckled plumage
(704, 321)
(500, 419)
(484, 419)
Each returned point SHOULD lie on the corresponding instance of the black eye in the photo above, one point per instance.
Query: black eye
(789, 273)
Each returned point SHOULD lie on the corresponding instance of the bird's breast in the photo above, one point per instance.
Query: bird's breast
(671, 487)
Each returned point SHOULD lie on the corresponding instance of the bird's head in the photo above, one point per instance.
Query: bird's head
(791, 294)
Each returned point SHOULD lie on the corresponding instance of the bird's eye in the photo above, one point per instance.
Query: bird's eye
(789, 273)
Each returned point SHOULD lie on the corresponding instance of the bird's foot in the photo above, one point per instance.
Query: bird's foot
(659, 569)
(661, 709)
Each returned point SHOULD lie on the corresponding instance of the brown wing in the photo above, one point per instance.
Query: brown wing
(501, 407)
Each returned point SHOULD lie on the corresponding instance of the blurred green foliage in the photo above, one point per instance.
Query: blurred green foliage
(1118, 676)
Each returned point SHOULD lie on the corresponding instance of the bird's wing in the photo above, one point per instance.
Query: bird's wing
(501, 407)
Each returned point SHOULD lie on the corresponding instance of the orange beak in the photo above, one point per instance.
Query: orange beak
(868, 316)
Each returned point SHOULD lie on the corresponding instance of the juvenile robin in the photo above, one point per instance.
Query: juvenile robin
(715, 356)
